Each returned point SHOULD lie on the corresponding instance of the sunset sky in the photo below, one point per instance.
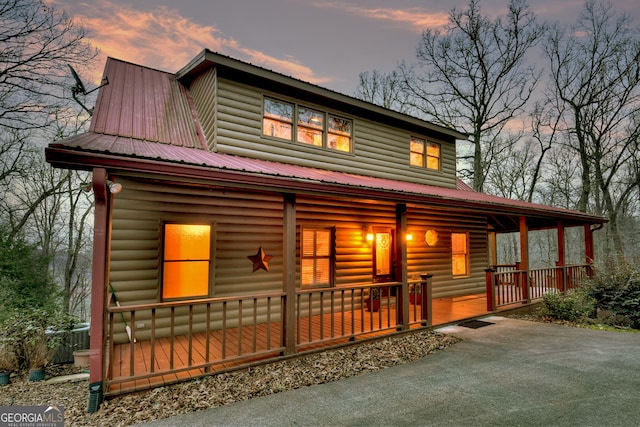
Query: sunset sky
(324, 42)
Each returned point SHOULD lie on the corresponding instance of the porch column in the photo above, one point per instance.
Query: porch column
(99, 279)
(289, 273)
(524, 258)
(401, 274)
(561, 257)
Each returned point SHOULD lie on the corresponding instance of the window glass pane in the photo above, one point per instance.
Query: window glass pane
(458, 243)
(323, 241)
(340, 143)
(184, 279)
(339, 126)
(278, 119)
(278, 110)
(310, 136)
(417, 146)
(417, 159)
(459, 265)
(433, 149)
(276, 129)
(310, 118)
(186, 242)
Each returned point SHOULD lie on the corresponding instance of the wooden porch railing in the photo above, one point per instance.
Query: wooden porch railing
(155, 344)
(510, 286)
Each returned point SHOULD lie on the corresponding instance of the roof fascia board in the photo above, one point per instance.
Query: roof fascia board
(207, 59)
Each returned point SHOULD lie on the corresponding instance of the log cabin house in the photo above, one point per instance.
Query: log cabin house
(242, 215)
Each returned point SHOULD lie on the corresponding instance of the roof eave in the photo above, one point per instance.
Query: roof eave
(63, 157)
(207, 59)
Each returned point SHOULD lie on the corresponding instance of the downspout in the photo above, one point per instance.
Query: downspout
(98, 288)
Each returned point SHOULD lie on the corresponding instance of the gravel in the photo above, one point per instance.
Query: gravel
(224, 388)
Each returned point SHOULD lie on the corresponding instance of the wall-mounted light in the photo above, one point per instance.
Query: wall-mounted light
(408, 237)
(114, 187)
(367, 233)
(431, 237)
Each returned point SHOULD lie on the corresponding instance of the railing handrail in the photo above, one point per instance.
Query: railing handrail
(185, 303)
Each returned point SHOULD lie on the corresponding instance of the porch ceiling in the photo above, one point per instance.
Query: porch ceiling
(125, 154)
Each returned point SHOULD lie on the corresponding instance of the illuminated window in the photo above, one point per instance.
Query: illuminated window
(186, 263)
(424, 154)
(460, 254)
(278, 119)
(313, 127)
(316, 257)
(339, 134)
(310, 126)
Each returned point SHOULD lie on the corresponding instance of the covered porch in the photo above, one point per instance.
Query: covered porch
(219, 334)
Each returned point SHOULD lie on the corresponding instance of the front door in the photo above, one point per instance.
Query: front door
(383, 256)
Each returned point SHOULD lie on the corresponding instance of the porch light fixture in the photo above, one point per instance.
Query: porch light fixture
(367, 234)
(431, 237)
(408, 237)
(114, 187)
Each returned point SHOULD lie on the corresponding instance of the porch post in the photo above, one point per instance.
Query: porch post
(401, 274)
(491, 292)
(98, 288)
(524, 258)
(561, 257)
(289, 273)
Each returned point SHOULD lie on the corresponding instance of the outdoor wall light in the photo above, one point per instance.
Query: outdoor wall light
(114, 187)
(367, 234)
(408, 237)
(431, 237)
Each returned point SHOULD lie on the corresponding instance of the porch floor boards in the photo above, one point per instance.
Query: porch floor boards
(330, 329)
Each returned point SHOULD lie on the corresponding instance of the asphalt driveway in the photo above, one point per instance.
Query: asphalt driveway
(509, 373)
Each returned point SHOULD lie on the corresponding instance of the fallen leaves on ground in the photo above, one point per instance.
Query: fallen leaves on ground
(224, 388)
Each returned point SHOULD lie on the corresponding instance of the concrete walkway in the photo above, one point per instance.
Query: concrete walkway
(509, 373)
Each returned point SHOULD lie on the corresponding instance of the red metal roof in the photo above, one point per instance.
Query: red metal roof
(145, 119)
(145, 104)
(138, 149)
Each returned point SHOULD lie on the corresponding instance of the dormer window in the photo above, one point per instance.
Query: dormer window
(283, 120)
(425, 154)
(278, 119)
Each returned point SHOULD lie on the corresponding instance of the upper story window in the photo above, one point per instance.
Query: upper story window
(278, 119)
(313, 127)
(425, 154)
(317, 251)
(186, 261)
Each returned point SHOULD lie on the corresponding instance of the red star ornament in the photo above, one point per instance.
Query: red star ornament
(260, 260)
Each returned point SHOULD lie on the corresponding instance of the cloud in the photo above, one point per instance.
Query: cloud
(162, 38)
(417, 19)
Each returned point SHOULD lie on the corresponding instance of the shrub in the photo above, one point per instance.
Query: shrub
(574, 305)
(616, 289)
(29, 332)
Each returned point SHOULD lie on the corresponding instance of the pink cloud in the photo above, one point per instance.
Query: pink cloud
(415, 18)
(162, 38)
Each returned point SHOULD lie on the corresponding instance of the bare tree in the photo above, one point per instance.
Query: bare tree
(45, 206)
(595, 73)
(383, 89)
(37, 42)
(474, 76)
